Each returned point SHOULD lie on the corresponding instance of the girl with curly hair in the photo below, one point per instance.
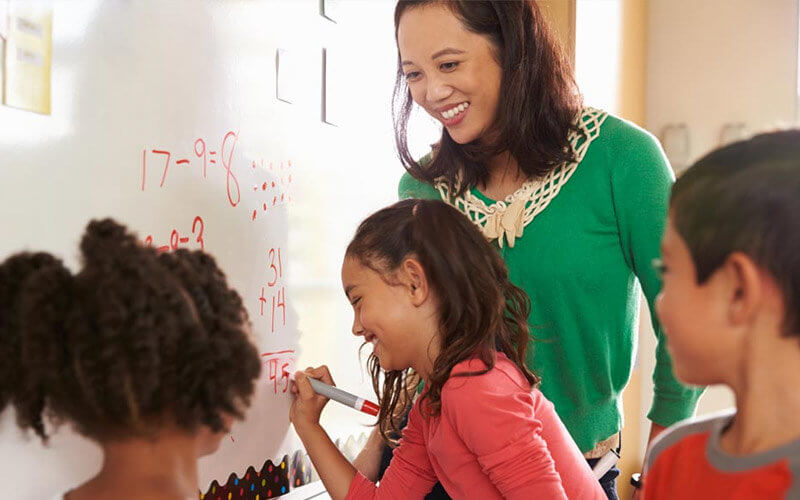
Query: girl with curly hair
(147, 355)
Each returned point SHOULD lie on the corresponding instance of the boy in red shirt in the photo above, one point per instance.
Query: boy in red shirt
(730, 306)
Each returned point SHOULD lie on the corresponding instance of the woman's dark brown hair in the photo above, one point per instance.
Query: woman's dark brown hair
(539, 101)
(480, 310)
(131, 343)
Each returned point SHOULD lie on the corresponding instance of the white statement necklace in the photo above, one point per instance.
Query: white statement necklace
(507, 219)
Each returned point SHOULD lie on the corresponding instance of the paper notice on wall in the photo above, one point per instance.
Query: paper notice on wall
(3, 19)
(28, 55)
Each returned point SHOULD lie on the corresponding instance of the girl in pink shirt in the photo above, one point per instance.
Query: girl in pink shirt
(434, 299)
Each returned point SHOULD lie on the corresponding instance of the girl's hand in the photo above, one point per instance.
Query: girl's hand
(307, 405)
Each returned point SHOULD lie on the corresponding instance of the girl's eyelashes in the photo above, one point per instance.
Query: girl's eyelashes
(412, 75)
(354, 301)
(659, 266)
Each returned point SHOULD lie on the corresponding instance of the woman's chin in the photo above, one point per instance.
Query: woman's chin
(460, 137)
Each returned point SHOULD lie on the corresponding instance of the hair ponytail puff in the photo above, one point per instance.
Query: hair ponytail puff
(45, 305)
(23, 279)
(105, 242)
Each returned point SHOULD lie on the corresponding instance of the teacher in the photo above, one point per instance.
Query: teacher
(574, 198)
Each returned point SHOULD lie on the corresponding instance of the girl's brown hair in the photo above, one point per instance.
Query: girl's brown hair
(480, 310)
(539, 100)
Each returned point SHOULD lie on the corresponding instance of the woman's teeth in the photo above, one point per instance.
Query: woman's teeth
(452, 112)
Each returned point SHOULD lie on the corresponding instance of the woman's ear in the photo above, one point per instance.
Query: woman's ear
(415, 280)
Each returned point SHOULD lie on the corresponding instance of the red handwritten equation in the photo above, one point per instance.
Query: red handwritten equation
(281, 364)
(176, 240)
(202, 155)
(277, 291)
(271, 189)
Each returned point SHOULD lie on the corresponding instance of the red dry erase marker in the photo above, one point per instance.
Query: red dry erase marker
(344, 397)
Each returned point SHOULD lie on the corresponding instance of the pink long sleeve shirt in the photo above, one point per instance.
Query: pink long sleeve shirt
(495, 438)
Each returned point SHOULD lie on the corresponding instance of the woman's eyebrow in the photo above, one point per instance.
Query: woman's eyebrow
(440, 53)
(447, 51)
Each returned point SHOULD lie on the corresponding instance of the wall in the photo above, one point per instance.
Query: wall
(710, 63)
(720, 61)
(133, 79)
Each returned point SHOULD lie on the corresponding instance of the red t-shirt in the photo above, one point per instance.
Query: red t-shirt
(687, 463)
(495, 438)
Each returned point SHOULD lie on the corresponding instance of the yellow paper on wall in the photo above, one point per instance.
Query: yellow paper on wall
(28, 55)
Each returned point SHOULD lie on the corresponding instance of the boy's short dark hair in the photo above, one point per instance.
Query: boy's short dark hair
(745, 197)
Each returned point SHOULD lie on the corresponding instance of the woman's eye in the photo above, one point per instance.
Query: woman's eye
(449, 66)
(412, 75)
(355, 301)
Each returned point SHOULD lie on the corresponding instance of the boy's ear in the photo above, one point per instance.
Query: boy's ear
(745, 290)
(415, 281)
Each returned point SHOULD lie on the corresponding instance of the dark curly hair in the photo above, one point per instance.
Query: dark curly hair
(13, 274)
(539, 100)
(130, 343)
(480, 310)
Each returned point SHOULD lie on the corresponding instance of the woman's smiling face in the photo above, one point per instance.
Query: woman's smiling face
(451, 72)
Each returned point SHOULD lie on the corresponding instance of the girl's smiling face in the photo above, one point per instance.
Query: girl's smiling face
(381, 314)
(395, 312)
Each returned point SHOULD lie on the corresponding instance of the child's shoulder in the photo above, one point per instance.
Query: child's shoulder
(500, 399)
(503, 378)
(688, 433)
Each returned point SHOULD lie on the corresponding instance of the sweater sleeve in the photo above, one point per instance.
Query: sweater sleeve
(640, 181)
(501, 429)
(410, 474)
(410, 187)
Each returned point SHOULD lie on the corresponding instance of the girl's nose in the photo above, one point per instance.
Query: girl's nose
(358, 329)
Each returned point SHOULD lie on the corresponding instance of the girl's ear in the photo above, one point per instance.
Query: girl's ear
(416, 282)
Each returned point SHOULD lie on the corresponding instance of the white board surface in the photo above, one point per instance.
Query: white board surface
(165, 116)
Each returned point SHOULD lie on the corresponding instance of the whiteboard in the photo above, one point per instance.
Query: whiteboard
(167, 117)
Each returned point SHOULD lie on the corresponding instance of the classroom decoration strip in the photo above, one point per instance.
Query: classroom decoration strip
(276, 480)
(302, 470)
(269, 482)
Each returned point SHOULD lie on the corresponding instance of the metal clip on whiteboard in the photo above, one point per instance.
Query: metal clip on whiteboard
(675, 140)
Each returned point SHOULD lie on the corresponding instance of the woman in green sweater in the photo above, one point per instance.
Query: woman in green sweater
(575, 200)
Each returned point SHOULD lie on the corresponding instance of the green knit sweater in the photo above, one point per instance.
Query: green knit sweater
(581, 261)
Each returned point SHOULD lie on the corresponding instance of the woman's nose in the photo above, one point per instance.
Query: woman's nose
(437, 90)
